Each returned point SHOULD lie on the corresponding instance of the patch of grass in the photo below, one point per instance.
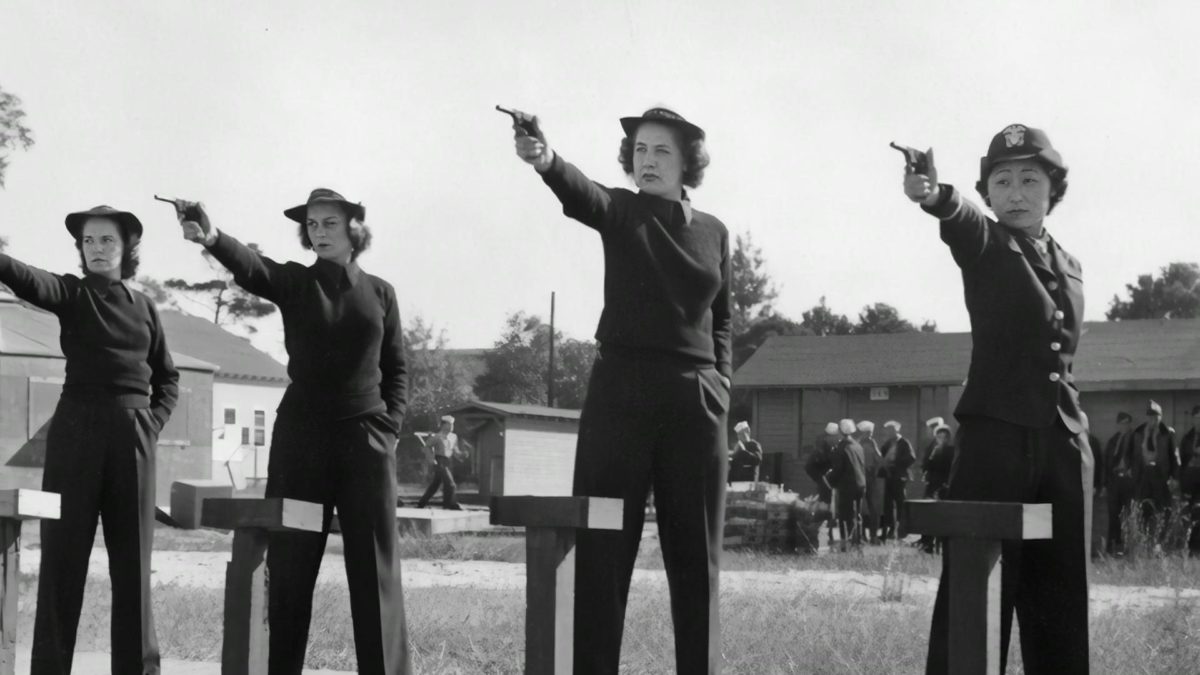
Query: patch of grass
(456, 630)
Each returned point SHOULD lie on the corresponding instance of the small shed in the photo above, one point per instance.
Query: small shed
(519, 449)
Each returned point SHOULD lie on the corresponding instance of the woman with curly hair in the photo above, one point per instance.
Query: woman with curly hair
(335, 435)
(119, 391)
(655, 412)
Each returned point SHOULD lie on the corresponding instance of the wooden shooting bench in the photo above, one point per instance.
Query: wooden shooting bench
(246, 635)
(550, 524)
(973, 531)
(16, 506)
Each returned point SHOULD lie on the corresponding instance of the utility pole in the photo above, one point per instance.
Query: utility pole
(550, 375)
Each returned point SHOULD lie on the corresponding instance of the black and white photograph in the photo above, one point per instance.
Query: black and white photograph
(599, 337)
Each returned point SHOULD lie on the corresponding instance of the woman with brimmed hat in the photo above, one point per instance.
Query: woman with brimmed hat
(656, 406)
(119, 391)
(335, 434)
(1021, 437)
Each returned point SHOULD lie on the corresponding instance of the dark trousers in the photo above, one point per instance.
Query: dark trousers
(1044, 581)
(100, 459)
(1154, 497)
(443, 479)
(649, 423)
(1121, 490)
(893, 505)
(350, 464)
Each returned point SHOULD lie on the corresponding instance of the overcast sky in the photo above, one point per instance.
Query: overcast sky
(248, 105)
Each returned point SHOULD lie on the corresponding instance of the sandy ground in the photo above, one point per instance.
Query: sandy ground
(207, 570)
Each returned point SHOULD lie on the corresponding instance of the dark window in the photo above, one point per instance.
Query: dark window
(260, 437)
(245, 435)
(231, 416)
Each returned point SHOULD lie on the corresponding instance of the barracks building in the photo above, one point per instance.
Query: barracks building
(799, 383)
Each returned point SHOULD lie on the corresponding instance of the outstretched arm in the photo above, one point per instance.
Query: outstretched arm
(253, 271)
(584, 200)
(36, 286)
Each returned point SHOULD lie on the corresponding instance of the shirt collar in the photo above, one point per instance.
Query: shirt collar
(665, 208)
(335, 273)
(102, 284)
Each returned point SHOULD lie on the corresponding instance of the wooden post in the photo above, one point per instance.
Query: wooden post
(16, 506)
(246, 635)
(550, 524)
(974, 531)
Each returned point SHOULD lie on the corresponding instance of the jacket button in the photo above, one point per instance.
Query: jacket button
(1055, 346)
(1054, 377)
(1058, 314)
(1053, 285)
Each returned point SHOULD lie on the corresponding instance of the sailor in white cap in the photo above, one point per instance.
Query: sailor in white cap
(444, 445)
(898, 456)
(747, 455)
(848, 478)
(1157, 458)
(872, 511)
(818, 464)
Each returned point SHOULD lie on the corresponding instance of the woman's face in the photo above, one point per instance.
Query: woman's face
(328, 230)
(1019, 194)
(658, 161)
(102, 247)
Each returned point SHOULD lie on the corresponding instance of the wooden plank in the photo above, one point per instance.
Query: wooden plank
(272, 513)
(10, 566)
(429, 522)
(246, 633)
(29, 504)
(595, 513)
(978, 520)
(974, 606)
(550, 600)
(187, 500)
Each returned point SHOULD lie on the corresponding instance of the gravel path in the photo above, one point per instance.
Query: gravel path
(207, 570)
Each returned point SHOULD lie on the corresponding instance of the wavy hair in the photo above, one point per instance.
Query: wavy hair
(695, 158)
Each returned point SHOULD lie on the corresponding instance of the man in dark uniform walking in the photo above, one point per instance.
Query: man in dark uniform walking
(1019, 436)
(1189, 478)
(818, 464)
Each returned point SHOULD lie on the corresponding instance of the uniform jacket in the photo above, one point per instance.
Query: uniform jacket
(847, 473)
(1025, 319)
(937, 466)
(897, 458)
(872, 460)
(1165, 456)
(1189, 449)
(747, 454)
(1118, 457)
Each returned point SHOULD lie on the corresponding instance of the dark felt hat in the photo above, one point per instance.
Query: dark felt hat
(1018, 141)
(663, 116)
(325, 195)
(124, 219)
(1124, 417)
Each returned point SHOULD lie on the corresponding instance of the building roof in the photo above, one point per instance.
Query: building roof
(516, 410)
(1112, 355)
(233, 354)
(29, 331)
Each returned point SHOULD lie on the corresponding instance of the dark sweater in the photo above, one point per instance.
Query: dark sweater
(341, 327)
(666, 281)
(111, 337)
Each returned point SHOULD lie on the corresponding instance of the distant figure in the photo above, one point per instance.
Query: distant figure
(936, 468)
(931, 427)
(873, 499)
(746, 457)
(897, 458)
(818, 464)
(1157, 463)
(849, 481)
(1189, 478)
(1118, 481)
(444, 447)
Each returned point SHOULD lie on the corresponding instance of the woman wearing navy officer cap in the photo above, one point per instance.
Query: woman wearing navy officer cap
(1021, 437)
(118, 393)
(335, 435)
(656, 405)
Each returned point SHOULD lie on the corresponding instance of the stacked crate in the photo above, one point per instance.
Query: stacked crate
(766, 516)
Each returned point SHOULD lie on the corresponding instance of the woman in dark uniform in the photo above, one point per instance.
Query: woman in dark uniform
(659, 391)
(119, 391)
(1020, 435)
(335, 434)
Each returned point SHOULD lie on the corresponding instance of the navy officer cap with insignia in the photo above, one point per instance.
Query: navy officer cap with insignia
(1018, 141)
